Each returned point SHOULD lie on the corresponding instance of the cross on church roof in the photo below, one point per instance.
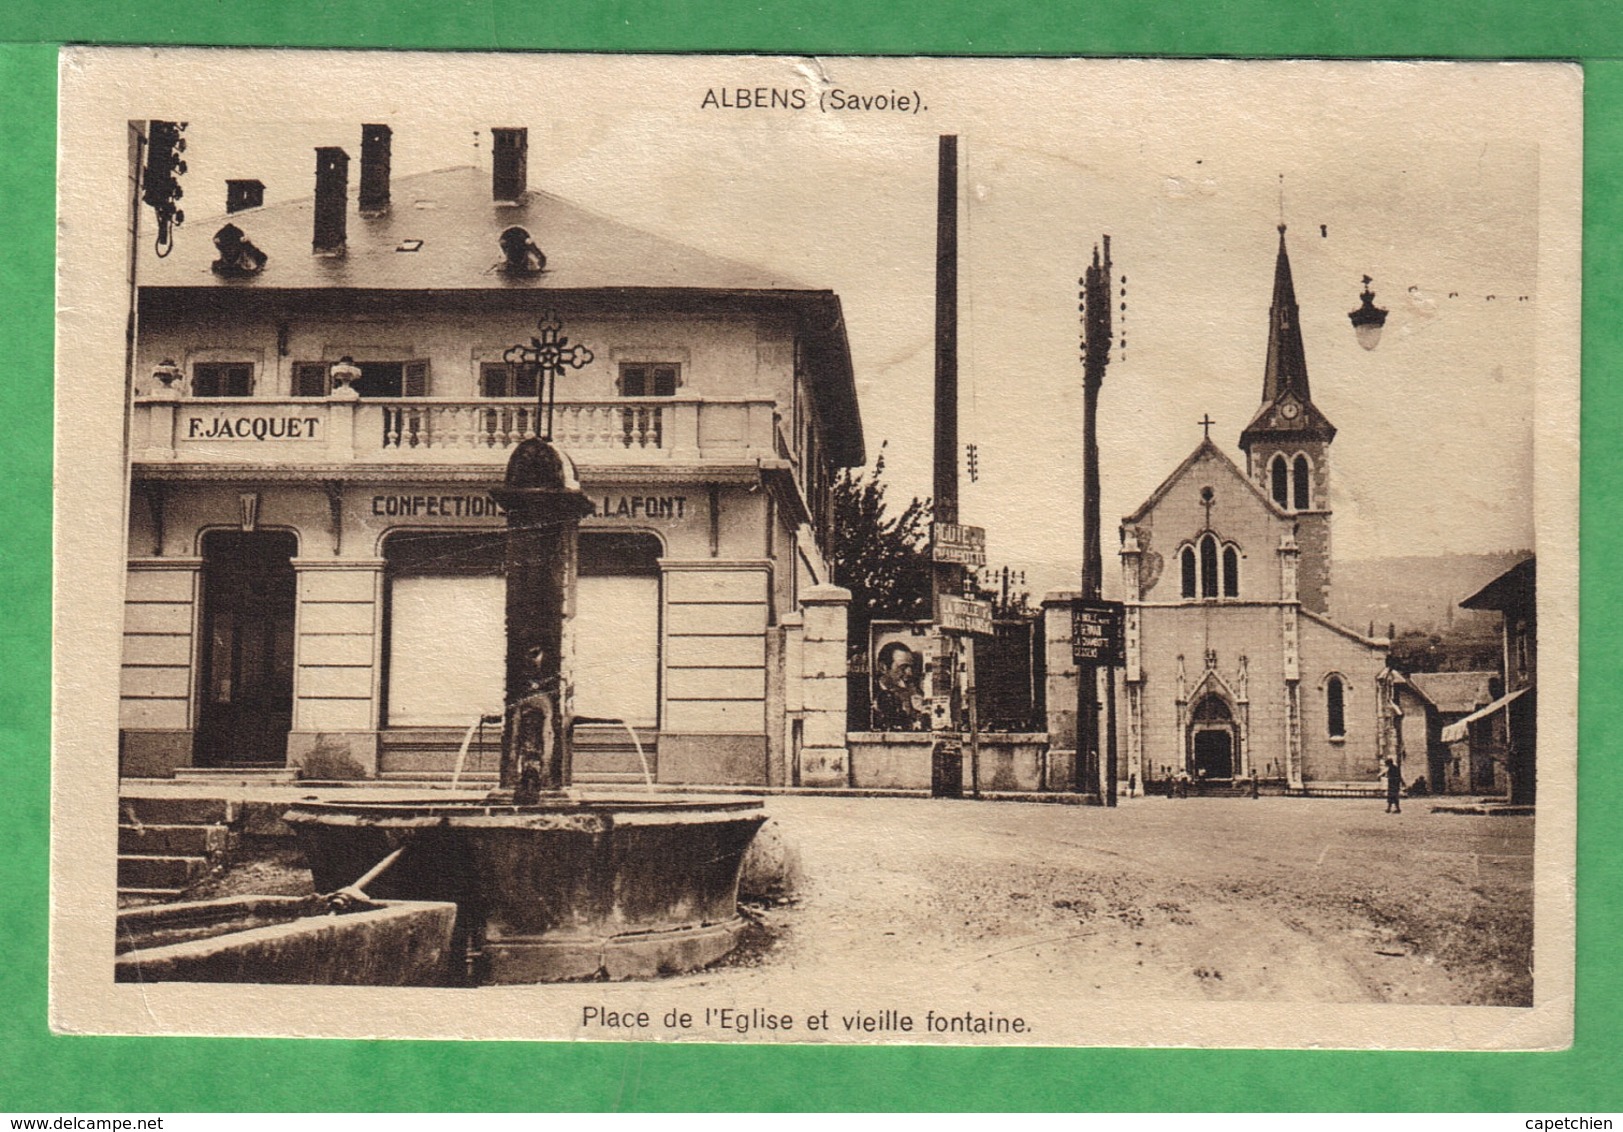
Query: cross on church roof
(1206, 423)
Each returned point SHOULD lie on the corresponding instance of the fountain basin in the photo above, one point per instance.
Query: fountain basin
(573, 887)
(286, 939)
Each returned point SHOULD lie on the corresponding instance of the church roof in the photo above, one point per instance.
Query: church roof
(1205, 447)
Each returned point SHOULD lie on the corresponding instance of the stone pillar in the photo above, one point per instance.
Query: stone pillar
(824, 757)
(336, 654)
(1290, 639)
(155, 693)
(792, 630)
(1059, 689)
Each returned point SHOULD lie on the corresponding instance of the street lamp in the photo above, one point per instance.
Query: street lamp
(1368, 319)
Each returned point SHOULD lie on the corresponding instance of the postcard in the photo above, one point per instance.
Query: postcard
(845, 550)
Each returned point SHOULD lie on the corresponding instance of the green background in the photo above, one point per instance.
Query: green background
(42, 1072)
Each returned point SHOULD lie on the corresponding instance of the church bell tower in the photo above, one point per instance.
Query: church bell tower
(1287, 443)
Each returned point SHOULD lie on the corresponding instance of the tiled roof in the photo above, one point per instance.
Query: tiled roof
(1453, 692)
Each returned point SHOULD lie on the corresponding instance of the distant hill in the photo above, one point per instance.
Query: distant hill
(1414, 592)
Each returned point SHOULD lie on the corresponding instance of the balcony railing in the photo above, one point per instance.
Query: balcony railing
(437, 430)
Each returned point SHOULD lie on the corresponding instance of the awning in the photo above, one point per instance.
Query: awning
(1454, 732)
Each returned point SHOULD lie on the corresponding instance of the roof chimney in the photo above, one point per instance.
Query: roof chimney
(510, 161)
(374, 200)
(243, 194)
(332, 200)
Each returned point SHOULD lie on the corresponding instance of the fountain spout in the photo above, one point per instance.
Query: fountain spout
(544, 505)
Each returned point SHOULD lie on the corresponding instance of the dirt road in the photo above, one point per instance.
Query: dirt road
(1292, 900)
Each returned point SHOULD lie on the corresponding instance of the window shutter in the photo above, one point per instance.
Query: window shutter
(310, 379)
(493, 379)
(415, 382)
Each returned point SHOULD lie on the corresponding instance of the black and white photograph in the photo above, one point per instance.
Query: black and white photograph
(740, 548)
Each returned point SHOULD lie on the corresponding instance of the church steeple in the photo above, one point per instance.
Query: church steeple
(1287, 443)
(1287, 362)
(1287, 412)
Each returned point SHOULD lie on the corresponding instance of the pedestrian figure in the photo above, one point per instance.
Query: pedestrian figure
(1394, 787)
(1132, 784)
(1254, 786)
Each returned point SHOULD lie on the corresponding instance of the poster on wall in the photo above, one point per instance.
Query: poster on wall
(901, 660)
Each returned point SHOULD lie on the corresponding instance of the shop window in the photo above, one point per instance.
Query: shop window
(222, 379)
(447, 596)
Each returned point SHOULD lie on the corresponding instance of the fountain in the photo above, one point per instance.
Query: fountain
(550, 883)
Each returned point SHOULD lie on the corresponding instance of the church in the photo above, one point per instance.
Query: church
(1234, 669)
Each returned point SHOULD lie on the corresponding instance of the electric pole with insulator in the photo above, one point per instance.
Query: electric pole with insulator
(1096, 343)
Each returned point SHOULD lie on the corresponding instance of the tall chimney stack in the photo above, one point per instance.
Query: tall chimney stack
(332, 200)
(510, 163)
(375, 139)
(244, 194)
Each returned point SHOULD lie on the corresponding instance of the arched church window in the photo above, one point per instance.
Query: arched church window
(1208, 566)
(1335, 707)
(1279, 476)
(1299, 482)
(1187, 561)
(1231, 572)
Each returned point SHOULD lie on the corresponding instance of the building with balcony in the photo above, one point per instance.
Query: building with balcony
(322, 401)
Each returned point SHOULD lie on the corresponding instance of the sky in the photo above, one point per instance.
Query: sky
(1425, 177)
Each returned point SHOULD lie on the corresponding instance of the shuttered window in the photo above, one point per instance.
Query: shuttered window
(498, 379)
(222, 379)
(378, 379)
(648, 380)
(311, 379)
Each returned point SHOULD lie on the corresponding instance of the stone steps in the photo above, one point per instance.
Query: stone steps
(166, 873)
(175, 840)
(236, 775)
(167, 845)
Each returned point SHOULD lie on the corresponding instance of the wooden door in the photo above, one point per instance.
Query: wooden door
(245, 702)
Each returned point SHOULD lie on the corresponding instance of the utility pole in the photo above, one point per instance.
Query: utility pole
(946, 578)
(1096, 343)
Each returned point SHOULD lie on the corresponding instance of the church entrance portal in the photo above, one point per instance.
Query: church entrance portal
(1212, 740)
(1214, 754)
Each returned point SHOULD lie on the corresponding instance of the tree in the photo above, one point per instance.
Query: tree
(883, 560)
